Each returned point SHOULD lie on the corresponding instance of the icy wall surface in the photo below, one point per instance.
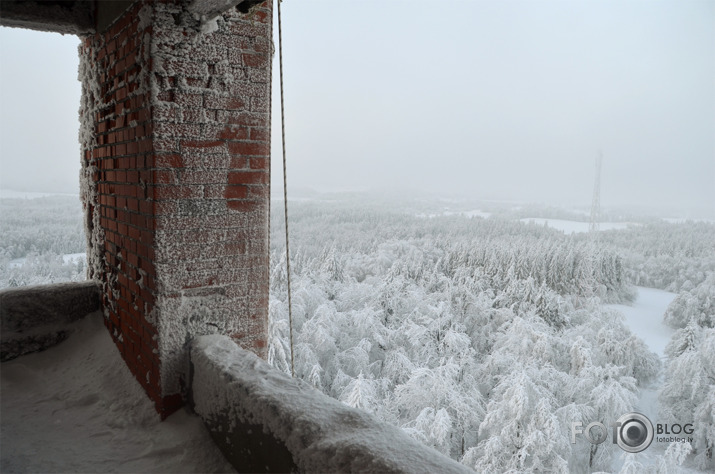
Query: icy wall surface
(175, 182)
(236, 392)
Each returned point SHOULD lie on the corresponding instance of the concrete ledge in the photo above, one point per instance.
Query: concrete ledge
(33, 318)
(265, 421)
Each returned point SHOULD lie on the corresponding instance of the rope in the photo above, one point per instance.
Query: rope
(285, 187)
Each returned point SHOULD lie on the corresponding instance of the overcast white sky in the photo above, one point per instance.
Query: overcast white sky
(490, 99)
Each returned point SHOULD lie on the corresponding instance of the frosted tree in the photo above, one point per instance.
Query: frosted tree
(333, 265)
(433, 428)
(704, 435)
(520, 431)
(684, 340)
(397, 367)
(454, 328)
(632, 465)
(687, 380)
(704, 401)
(360, 393)
(528, 340)
(445, 387)
(673, 458)
(278, 336)
(580, 353)
(697, 305)
(611, 394)
(688, 394)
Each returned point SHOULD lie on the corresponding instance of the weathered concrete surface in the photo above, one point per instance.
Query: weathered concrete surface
(60, 16)
(80, 17)
(207, 9)
(265, 421)
(33, 318)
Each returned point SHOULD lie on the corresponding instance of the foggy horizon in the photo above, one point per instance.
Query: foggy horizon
(506, 101)
(441, 293)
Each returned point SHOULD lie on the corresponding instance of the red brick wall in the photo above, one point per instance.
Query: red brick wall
(175, 137)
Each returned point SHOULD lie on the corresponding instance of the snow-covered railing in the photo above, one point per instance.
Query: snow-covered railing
(33, 318)
(264, 420)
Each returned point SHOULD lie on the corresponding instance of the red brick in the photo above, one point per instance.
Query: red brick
(169, 161)
(247, 177)
(249, 119)
(259, 192)
(260, 134)
(244, 206)
(249, 148)
(146, 207)
(259, 163)
(134, 233)
(232, 248)
(239, 162)
(261, 45)
(234, 133)
(165, 177)
(236, 192)
(261, 16)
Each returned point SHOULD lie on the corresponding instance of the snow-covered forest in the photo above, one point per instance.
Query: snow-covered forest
(478, 334)
(689, 390)
(487, 338)
(41, 240)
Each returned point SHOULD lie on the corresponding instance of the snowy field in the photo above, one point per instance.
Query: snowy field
(573, 227)
(472, 213)
(66, 258)
(77, 408)
(10, 194)
(682, 220)
(645, 318)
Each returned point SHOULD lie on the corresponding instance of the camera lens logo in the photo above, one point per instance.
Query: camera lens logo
(634, 432)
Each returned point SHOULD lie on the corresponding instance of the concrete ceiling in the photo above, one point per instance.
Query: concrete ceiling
(81, 17)
(61, 16)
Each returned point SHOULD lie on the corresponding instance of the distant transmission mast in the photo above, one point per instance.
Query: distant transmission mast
(596, 202)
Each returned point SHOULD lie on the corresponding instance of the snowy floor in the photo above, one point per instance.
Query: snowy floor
(645, 319)
(77, 408)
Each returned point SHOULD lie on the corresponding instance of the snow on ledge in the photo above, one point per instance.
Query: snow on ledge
(264, 420)
(33, 318)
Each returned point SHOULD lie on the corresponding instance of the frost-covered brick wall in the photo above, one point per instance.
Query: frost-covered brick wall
(175, 133)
